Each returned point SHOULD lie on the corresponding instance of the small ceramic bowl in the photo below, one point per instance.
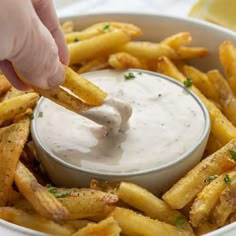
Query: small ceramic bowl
(155, 178)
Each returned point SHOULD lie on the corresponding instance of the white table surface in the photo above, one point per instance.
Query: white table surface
(75, 7)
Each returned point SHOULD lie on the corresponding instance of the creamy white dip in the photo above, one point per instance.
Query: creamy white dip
(166, 122)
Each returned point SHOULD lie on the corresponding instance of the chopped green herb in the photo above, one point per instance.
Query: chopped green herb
(179, 221)
(129, 76)
(62, 194)
(188, 82)
(76, 40)
(232, 153)
(106, 28)
(40, 115)
(212, 177)
(31, 116)
(52, 189)
(227, 179)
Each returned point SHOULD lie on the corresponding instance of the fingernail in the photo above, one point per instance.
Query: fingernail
(58, 77)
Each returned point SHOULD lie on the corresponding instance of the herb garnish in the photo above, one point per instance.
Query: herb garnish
(106, 28)
(31, 116)
(53, 191)
(76, 39)
(179, 221)
(232, 153)
(129, 76)
(188, 82)
(40, 115)
(212, 177)
(227, 179)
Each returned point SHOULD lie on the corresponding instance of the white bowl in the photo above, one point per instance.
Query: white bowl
(155, 28)
(156, 178)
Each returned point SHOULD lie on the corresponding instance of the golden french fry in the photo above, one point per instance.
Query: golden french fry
(16, 105)
(4, 85)
(13, 92)
(207, 199)
(83, 88)
(179, 195)
(97, 46)
(102, 28)
(227, 54)
(205, 228)
(87, 203)
(95, 64)
(177, 40)
(39, 197)
(191, 52)
(226, 95)
(67, 27)
(148, 50)
(213, 144)
(123, 60)
(132, 223)
(152, 206)
(221, 127)
(104, 186)
(33, 221)
(202, 82)
(226, 204)
(12, 141)
(75, 225)
(106, 227)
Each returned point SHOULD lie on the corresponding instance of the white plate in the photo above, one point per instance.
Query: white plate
(155, 28)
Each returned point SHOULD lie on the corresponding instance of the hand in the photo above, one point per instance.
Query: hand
(31, 43)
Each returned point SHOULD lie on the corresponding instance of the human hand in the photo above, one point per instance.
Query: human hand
(32, 43)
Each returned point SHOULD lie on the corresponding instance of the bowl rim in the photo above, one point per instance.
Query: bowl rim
(177, 161)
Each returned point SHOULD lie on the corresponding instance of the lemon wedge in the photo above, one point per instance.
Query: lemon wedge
(220, 12)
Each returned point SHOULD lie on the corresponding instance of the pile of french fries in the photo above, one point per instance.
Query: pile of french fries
(200, 202)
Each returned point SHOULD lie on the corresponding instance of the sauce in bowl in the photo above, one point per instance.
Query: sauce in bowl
(166, 122)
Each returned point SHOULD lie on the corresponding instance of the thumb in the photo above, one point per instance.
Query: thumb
(37, 61)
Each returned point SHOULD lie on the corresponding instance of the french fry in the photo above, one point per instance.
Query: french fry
(84, 89)
(226, 204)
(206, 200)
(227, 54)
(132, 30)
(95, 64)
(148, 50)
(106, 227)
(75, 225)
(152, 206)
(123, 60)
(132, 223)
(221, 127)
(13, 92)
(226, 95)
(16, 105)
(205, 228)
(102, 28)
(97, 46)
(104, 186)
(191, 52)
(33, 221)
(201, 81)
(87, 203)
(4, 85)
(213, 144)
(12, 141)
(39, 197)
(177, 40)
(179, 195)
(68, 27)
